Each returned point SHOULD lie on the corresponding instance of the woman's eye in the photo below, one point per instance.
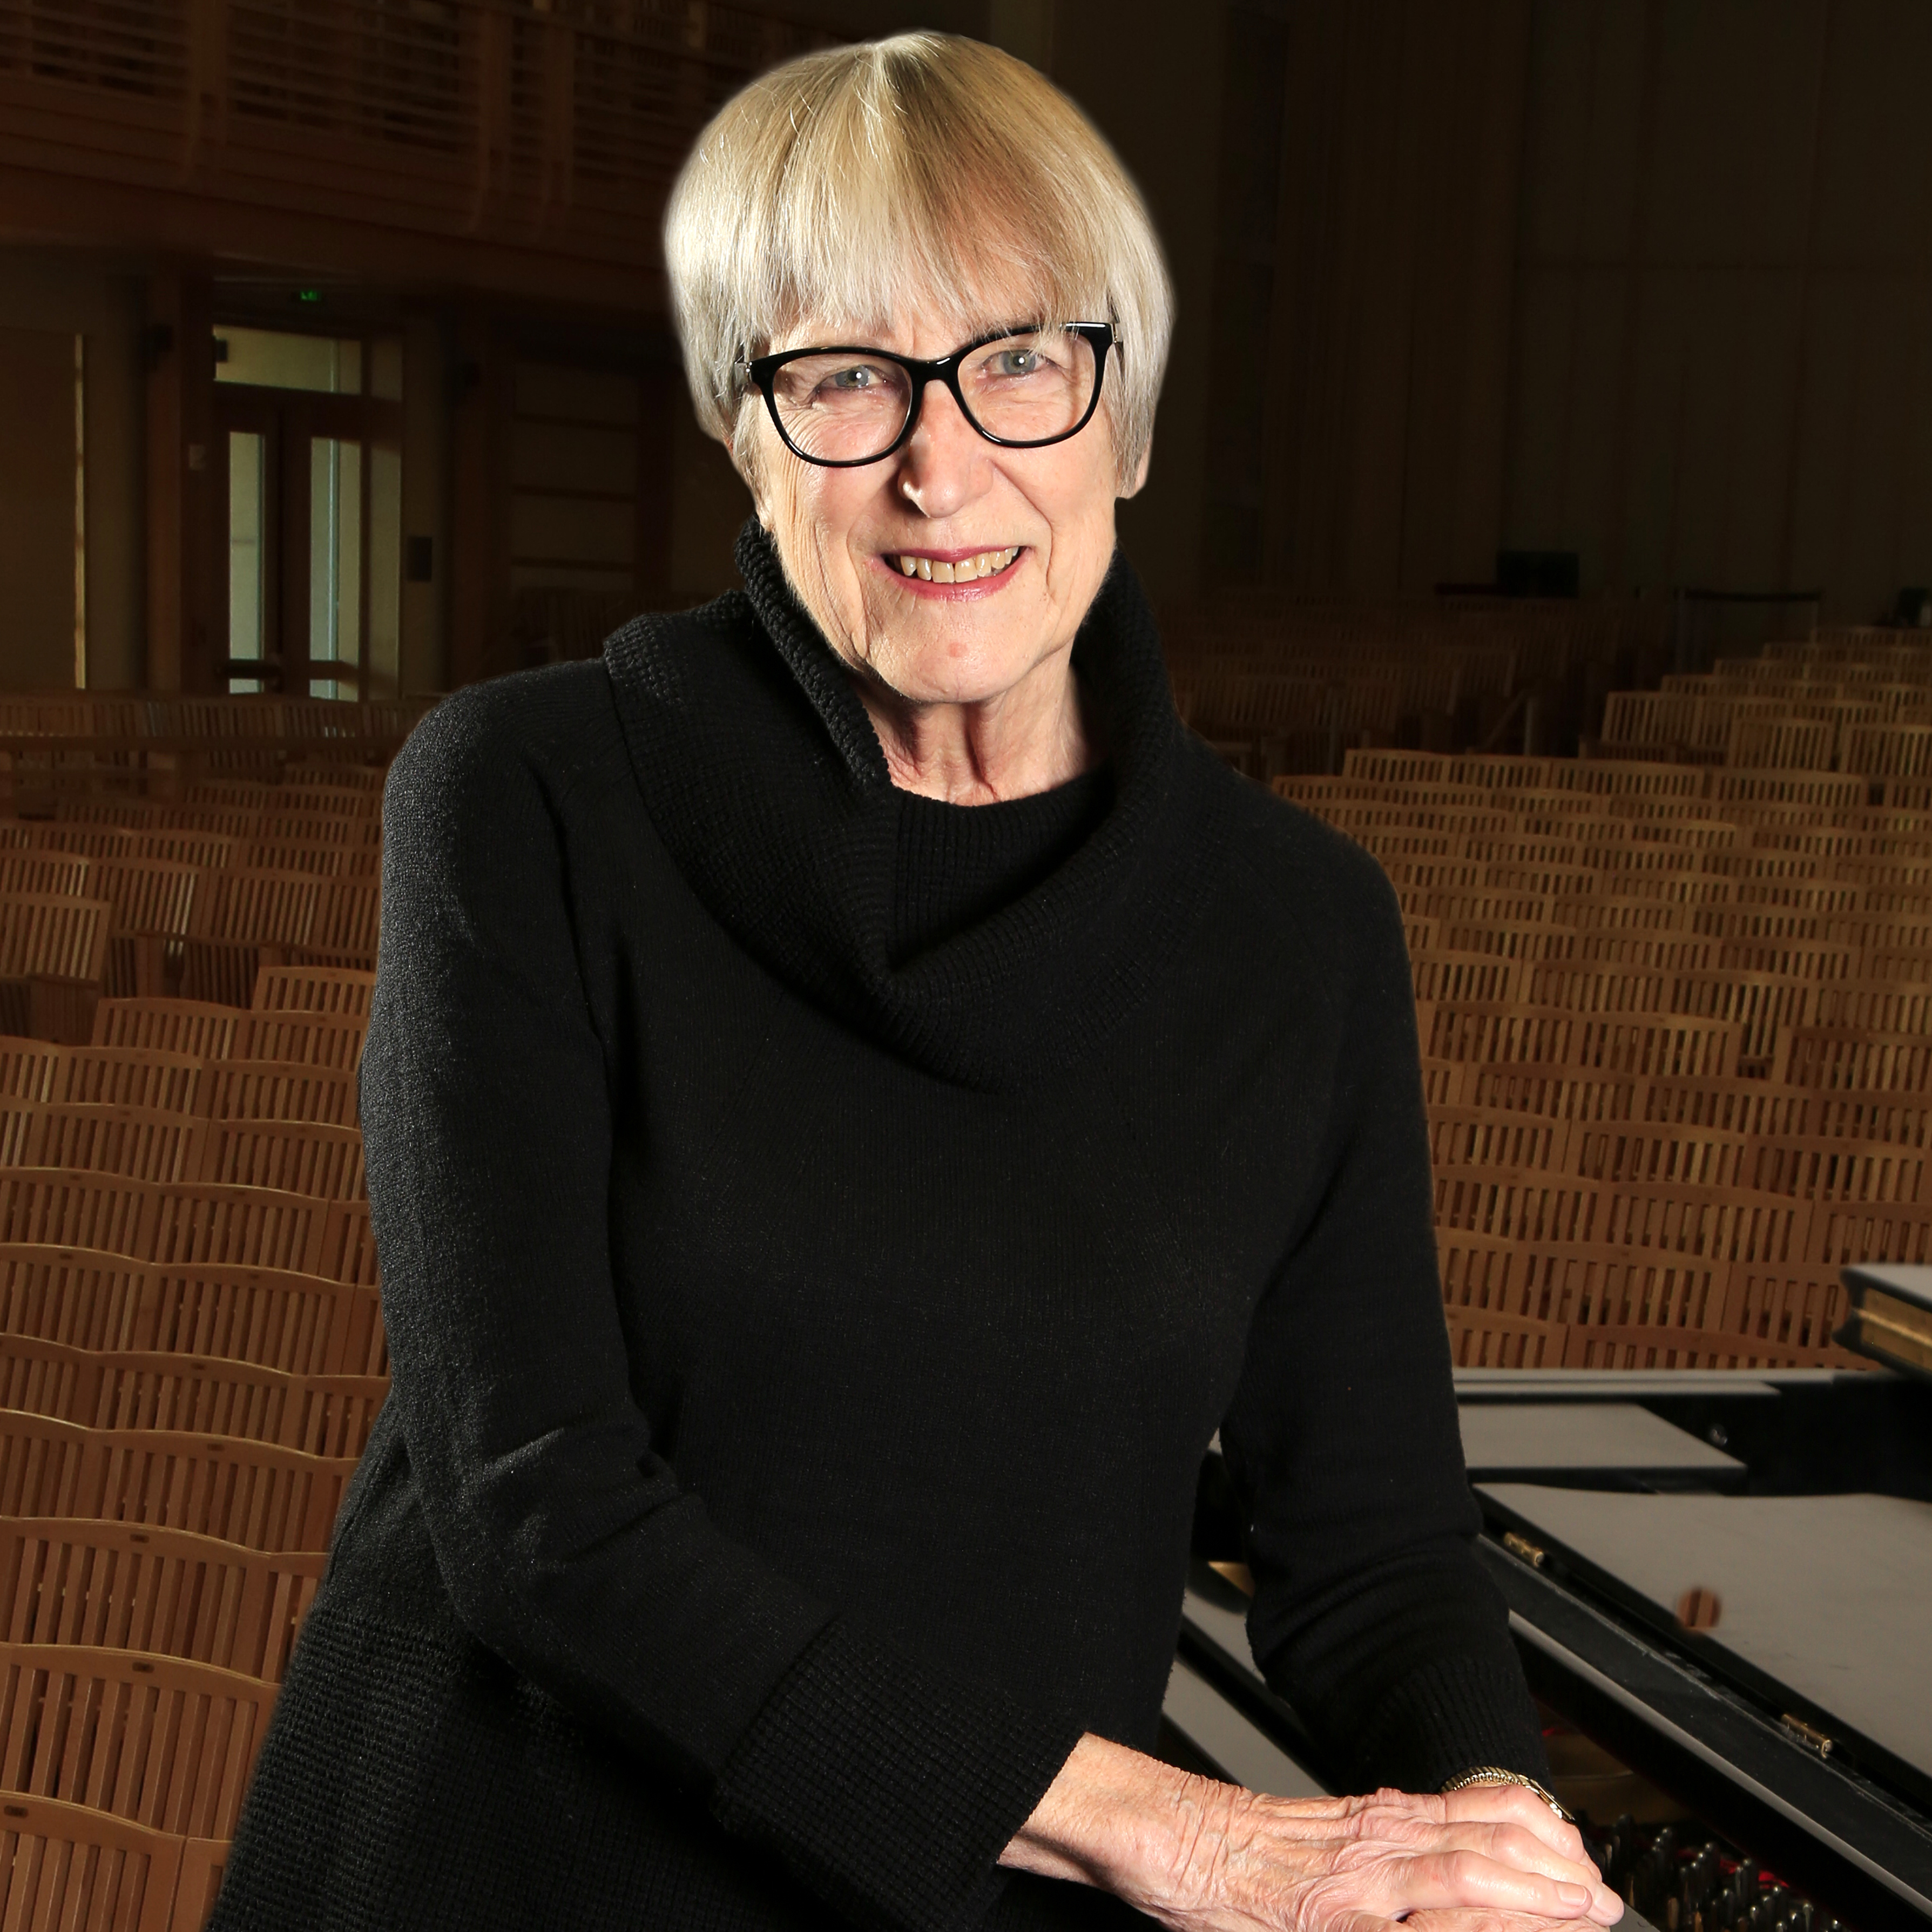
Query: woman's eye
(1016, 362)
(860, 378)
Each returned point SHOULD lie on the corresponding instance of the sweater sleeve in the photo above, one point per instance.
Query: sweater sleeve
(1371, 1614)
(563, 1538)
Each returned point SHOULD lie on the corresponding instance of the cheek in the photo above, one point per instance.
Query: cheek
(1083, 534)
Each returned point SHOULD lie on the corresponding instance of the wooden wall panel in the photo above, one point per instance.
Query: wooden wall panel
(37, 509)
(99, 301)
(1392, 289)
(1157, 95)
(1723, 282)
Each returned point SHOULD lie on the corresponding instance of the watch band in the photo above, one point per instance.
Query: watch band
(1494, 1773)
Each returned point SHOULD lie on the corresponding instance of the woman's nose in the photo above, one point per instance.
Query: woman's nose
(946, 462)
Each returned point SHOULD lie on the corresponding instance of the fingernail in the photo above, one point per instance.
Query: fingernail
(1573, 1894)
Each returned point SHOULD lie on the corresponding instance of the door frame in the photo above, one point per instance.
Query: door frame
(288, 420)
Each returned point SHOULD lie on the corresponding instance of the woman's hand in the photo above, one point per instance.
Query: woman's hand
(1198, 1856)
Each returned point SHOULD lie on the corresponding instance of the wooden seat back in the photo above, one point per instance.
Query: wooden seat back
(257, 1494)
(119, 1586)
(157, 1741)
(341, 990)
(202, 1029)
(326, 1415)
(1581, 1284)
(60, 874)
(1483, 1339)
(83, 1871)
(324, 859)
(301, 1323)
(143, 1143)
(298, 1156)
(317, 1038)
(173, 1223)
(42, 1070)
(240, 917)
(280, 1090)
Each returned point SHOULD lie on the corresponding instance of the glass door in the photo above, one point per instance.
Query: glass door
(311, 547)
(335, 539)
(247, 654)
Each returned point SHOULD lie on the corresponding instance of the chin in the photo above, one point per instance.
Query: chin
(976, 681)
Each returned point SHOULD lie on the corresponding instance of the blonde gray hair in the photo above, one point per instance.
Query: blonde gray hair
(924, 175)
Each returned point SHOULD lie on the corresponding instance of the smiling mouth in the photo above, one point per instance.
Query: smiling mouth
(966, 570)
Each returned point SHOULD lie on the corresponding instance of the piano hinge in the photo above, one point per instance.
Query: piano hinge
(1809, 1735)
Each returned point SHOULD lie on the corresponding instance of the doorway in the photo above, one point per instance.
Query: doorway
(307, 460)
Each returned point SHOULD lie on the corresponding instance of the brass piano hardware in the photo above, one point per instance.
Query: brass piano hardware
(1808, 1734)
(1237, 1574)
(1521, 1545)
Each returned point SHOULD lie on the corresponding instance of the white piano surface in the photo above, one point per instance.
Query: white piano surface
(1827, 1595)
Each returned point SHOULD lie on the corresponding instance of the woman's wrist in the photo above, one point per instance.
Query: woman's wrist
(1116, 1819)
(1497, 1773)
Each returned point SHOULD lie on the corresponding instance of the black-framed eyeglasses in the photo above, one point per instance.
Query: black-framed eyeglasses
(841, 405)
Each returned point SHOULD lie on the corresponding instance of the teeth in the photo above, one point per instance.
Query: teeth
(988, 563)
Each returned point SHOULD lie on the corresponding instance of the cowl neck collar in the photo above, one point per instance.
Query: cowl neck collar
(764, 777)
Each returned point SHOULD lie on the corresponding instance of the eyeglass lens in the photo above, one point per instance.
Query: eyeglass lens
(844, 406)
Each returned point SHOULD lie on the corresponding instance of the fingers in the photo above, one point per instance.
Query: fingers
(1516, 1845)
(1511, 1826)
(1463, 1877)
(1481, 1921)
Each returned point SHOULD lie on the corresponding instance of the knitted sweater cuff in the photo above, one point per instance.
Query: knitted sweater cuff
(889, 1789)
(1446, 1718)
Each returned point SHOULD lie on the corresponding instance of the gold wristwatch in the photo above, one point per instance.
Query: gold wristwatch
(1494, 1773)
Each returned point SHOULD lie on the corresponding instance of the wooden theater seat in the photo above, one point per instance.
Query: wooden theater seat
(298, 1156)
(158, 1741)
(257, 1494)
(279, 1089)
(53, 953)
(1487, 1339)
(166, 1592)
(326, 1415)
(174, 1223)
(243, 919)
(302, 1324)
(143, 1143)
(316, 1039)
(83, 1871)
(203, 1029)
(343, 990)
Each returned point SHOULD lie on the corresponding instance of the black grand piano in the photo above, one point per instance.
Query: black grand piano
(1721, 1587)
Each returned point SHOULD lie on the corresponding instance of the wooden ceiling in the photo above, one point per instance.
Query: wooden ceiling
(519, 148)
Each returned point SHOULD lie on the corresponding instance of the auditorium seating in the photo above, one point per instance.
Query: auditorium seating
(1674, 1008)
(1281, 684)
(1674, 1002)
(191, 1348)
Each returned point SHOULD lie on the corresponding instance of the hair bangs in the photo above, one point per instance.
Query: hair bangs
(923, 176)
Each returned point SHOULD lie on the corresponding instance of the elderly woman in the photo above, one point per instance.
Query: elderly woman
(856, 1099)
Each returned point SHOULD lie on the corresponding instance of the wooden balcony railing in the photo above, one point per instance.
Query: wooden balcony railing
(531, 131)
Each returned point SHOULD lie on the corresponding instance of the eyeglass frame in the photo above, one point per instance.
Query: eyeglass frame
(762, 370)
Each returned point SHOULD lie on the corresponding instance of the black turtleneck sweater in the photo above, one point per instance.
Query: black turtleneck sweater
(821, 1231)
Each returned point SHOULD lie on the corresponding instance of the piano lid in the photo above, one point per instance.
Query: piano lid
(1821, 1601)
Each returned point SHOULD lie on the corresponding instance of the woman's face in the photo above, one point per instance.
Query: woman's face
(946, 496)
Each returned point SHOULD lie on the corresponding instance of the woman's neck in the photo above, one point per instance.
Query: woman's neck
(1028, 738)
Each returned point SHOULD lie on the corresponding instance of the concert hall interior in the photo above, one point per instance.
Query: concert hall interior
(1540, 501)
